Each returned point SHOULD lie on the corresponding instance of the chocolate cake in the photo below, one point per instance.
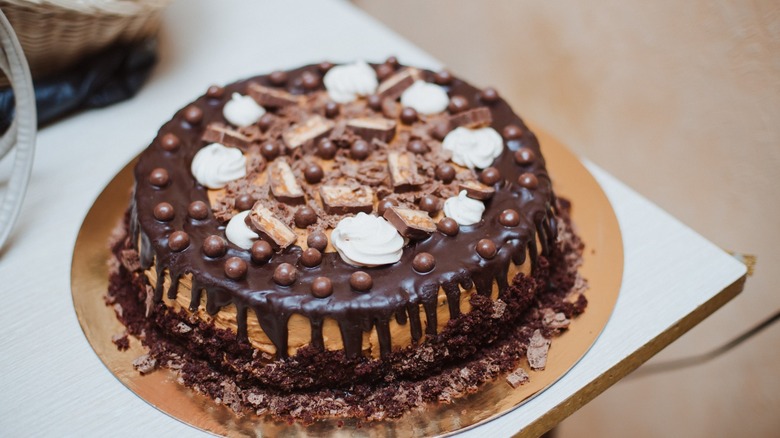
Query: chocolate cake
(344, 241)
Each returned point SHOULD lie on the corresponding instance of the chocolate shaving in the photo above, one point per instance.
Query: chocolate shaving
(283, 212)
(339, 133)
(372, 171)
(422, 130)
(274, 131)
(255, 162)
(253, 133)
(402, 138)
(404, 200)
(293, 114)
(474, 118)
(223, 207)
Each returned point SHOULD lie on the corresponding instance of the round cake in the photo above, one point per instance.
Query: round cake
(347, 240)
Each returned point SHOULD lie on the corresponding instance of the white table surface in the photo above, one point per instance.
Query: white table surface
(52, 383)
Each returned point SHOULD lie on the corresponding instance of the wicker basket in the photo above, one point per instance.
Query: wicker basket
(55, 34)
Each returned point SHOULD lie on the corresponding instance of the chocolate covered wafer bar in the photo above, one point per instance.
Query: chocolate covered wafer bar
(263, 222)
(313, 128)
(347, 200)
(284, 186)
(414, 224)
(272, 97)
(477, 190)
(395, 85)
(403, 171)
(371, 128)
(220, 133)
(473, 118)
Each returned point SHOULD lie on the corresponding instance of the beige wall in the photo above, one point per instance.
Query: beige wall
(680, 100)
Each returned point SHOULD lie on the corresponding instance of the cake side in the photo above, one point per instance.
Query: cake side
(299, 327)
(495, 338)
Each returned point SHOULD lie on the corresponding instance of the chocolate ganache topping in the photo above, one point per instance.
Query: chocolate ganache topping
(312, 160)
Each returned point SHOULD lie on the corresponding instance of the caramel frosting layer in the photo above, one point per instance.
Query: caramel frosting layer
(299, 327)
(311, 162)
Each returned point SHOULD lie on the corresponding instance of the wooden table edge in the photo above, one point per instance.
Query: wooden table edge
(631, 362)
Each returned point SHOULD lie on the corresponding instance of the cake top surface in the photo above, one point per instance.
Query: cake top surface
(349, 191)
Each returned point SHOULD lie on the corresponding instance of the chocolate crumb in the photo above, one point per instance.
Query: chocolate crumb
(145, 364)
(231, 396)
(555, 320)
(517, 377)
(538, 346)
(498, 309)
(148, 301)
(121, 341)
(182, 328)
(130, 260)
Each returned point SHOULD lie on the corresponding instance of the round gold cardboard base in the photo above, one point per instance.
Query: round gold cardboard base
(595, 222)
